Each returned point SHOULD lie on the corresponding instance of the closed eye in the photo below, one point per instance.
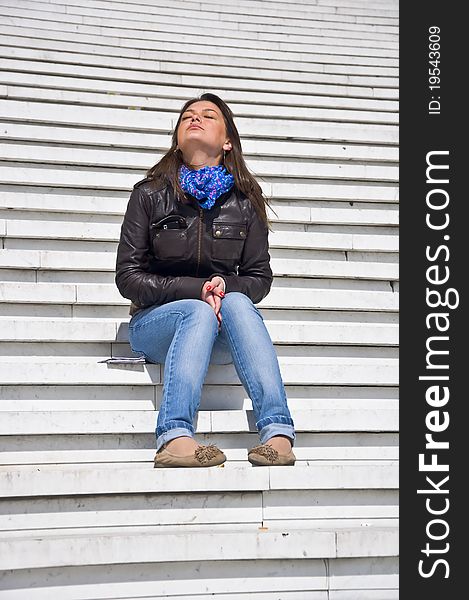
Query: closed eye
(188, 117)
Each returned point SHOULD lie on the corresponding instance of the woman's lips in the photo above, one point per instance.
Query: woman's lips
(194, 127)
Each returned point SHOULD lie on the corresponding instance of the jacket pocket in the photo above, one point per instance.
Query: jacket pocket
(228, 239)
(169, 238)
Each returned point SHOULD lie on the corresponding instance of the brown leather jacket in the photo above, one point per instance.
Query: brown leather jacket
(169, 249)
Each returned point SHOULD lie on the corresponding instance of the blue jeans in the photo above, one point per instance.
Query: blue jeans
(184, 336)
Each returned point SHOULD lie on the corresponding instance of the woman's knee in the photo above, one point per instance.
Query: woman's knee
(189, 307)
(167, 319)
(202, 309)
(237, 299)
(237, 305)
(200, 314)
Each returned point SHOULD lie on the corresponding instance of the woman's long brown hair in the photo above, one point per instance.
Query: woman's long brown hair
(166, 169)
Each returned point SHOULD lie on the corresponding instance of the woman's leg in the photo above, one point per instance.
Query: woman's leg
(257, 365)
(180, 335)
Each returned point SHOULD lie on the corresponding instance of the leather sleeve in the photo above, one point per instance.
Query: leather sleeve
(254, 276)
(133, 279)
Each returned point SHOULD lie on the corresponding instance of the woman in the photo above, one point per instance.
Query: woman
(193, 259)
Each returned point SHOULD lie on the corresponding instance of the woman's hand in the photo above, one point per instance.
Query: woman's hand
(213, 292)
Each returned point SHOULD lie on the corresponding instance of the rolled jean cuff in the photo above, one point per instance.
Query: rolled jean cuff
(172, 430)
(171, 434)
(274, 419)
(272, 429)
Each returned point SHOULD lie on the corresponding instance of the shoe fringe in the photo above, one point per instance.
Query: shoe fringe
(206, 453)
(265, 450)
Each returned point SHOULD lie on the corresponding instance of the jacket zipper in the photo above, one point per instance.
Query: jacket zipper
(199, 247)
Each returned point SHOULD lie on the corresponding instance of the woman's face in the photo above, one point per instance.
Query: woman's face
(202, 128)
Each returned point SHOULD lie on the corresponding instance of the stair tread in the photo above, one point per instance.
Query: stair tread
(59, 480)
(145, 545)
(143, 421)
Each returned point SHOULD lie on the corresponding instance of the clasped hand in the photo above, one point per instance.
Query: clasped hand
(213, 292)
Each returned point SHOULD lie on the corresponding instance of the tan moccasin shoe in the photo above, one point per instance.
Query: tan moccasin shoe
(203, 456)
(266, 456)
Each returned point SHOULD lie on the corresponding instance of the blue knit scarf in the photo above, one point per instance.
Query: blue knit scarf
(205, 184)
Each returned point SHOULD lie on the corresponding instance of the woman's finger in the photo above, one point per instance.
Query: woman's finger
(217, 284)
(213, 295)
(206, 290)
(217, 302)
(217, 308)
(210, 300)
(218, 290)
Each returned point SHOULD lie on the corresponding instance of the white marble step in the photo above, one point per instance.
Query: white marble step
(367, 85)
(15, 132)
(284, 8)
(350, 269)
(133, 573)
(120, 458)
(46, 206)
(327, 579)
(279, 297)
(353, 194)
(314, 191)
(330, 42)
(105, 262)
(383, 593)
(333, 278)
(149, 587)
(329, 32)
(50, 112)
(247, 56)
(67, 480)
(120, 449)
(133, 397)
(99, 60)
(200, 511)
(91, 231)
(254, 11)
(319, 110)
(76, 370)
(188, 14)
(326, 11)
(121, 311)
(163, 28)
(297, 64)
(143, 421)
(29, 397)
(109, 546)
(42, 154)
(342, 7)
(211, 511)
(285, 332)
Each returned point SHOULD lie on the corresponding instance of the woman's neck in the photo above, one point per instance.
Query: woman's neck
(201, 160)
(200, 166)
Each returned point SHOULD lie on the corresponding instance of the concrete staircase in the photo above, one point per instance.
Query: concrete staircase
(90, 90)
